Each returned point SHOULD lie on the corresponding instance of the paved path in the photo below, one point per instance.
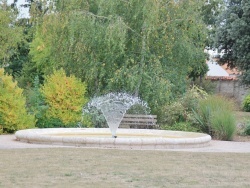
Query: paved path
(9, 142)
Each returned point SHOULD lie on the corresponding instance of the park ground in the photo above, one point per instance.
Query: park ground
(222, 164)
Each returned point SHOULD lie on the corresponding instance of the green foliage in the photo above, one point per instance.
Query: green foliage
(223, 124)
(198, 71)
(233, 36)
(64, 97)
(243, 128)
(13, 114)
(181, 110)
(215, 117)
(21, 56)
(181, 126)
(27, 75)
(142, 47)
(172, 113)
(94, 118)
(138, 109)
(10, 33)
(87, 121)
(45, 122)
(210, 12)
(37, 106)
(246, 103)
(35, 99)
(247, 128)
(207, 85)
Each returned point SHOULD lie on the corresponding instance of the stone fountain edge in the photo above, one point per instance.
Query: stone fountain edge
(45, 136)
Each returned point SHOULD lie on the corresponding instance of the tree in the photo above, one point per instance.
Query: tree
(143, 47)
(64, 96)
(233, 37)
(10, 33)
(13, 113)
(19, 63)
(18, 60)
(210, 12)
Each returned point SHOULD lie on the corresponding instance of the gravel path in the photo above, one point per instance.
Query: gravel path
(10, 142)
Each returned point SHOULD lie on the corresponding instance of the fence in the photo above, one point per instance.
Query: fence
(232, 88)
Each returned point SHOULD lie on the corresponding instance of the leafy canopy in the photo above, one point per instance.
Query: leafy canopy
(10, 33)
(13, 114)
(145, 47)
(65, 97)
(233, 36)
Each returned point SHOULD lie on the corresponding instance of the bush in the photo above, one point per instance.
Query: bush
(247, 130)
(138, 109)
(244, 128)
(181, 110)
(64, 97)
(246, 103)
(181, 126)
(94, 118)
(215, 117)
(223, 125)
(173, 113)
(13, 114)
(36, 104)
(207, 85)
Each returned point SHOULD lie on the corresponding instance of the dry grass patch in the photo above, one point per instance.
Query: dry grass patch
(241, 119)
(78, 167)
(242, 116)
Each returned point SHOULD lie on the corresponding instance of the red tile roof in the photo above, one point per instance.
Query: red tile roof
(221, 78)
(230, 71)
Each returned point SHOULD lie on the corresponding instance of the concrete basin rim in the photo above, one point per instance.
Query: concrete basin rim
(44, 136)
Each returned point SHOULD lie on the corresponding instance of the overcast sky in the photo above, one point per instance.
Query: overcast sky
(24, 12)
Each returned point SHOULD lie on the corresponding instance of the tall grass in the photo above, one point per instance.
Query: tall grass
(223, 124)
(215, 116)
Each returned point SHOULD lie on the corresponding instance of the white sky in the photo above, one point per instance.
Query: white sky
(24, 12)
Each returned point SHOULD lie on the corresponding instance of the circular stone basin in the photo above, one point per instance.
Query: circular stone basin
(126, 138)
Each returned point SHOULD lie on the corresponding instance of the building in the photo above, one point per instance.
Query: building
(227, 82)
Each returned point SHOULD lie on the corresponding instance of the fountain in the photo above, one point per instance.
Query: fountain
(114, 106)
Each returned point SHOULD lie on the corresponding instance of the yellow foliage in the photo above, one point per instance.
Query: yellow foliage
(65, 96)
(13, 114)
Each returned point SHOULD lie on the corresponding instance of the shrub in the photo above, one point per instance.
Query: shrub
(207, 85)
(93, 117)
(181, 126)
(215, 117)
(223, 125)
(36, 104)
(246, 103)
(181, 110)
(247, 130)
(64, 96)
(173, 113)
(244, 128)
(13, 114)
(138, 109)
